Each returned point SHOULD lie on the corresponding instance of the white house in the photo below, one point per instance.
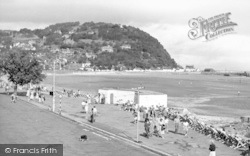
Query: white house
(107, 49)
(145, 98)
(85, 65)
(126, 46)
(190, 68)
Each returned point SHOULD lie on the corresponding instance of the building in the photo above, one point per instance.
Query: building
(58, 32)
(90, 55)
(145, 98)
(69, 41)
(67, 52)
(150, 98)
(24, 46)
(209, 70)
(86, 65)
(190, 68)
(126, 46)
(107, 49)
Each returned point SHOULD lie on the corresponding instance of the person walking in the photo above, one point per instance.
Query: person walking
(166, 123)
(94, 111)
(147, 127)
(92, 116)
(248, 152)
(212, 148)
(177, 123)
(162, 127)
(84, 105)
(185, 127)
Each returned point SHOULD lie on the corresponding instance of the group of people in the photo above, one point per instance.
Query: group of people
(85, 107)
(156, 123)
(35, 93)
(6, 86)
(232, 140)
(156, 119)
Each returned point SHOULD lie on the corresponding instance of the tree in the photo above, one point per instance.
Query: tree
(21, 68)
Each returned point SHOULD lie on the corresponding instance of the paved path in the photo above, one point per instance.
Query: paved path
(114, 120)
(24, 123)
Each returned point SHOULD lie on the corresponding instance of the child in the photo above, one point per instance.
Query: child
(13, 98)
(212, 148)
(135, 116)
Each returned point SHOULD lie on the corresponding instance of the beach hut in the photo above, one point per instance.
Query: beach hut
(245, 119)
(115, 96)
(145, 98)
(149, 98)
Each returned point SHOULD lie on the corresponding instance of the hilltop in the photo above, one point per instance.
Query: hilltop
(90, 46)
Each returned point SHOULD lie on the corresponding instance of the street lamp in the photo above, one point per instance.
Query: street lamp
(54, 85)
(138, 113)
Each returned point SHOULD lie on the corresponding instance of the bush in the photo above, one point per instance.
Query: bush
(247, 134)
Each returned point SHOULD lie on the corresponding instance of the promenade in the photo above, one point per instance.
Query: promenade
(25, 123)
(112, 119)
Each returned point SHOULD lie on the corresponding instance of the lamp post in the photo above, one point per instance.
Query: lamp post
(54, 85)
(60, 106)
(138, 113)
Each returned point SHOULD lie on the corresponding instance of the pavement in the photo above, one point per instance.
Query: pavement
(25, 123)
(113, 123)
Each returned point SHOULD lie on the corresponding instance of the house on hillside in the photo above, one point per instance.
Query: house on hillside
(67, 52)
(190, 68)
(90, 55)
(2, 46)
(90, 32)
(24, 46)
(126, 46)
(86, 65)
(209, 70)
(69, 41)
(55, 50)
(72, 31)
(31, 42)
(107, 49)
(66, 36)
(58, 32)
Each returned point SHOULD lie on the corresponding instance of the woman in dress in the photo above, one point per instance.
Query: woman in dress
(212, 148)
(185, 127)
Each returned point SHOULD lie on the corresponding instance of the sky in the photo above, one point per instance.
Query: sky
(166, 20)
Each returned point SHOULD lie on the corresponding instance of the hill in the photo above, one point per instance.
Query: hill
(97, 45)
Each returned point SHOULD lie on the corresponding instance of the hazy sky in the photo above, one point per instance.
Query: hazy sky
(166, 20)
